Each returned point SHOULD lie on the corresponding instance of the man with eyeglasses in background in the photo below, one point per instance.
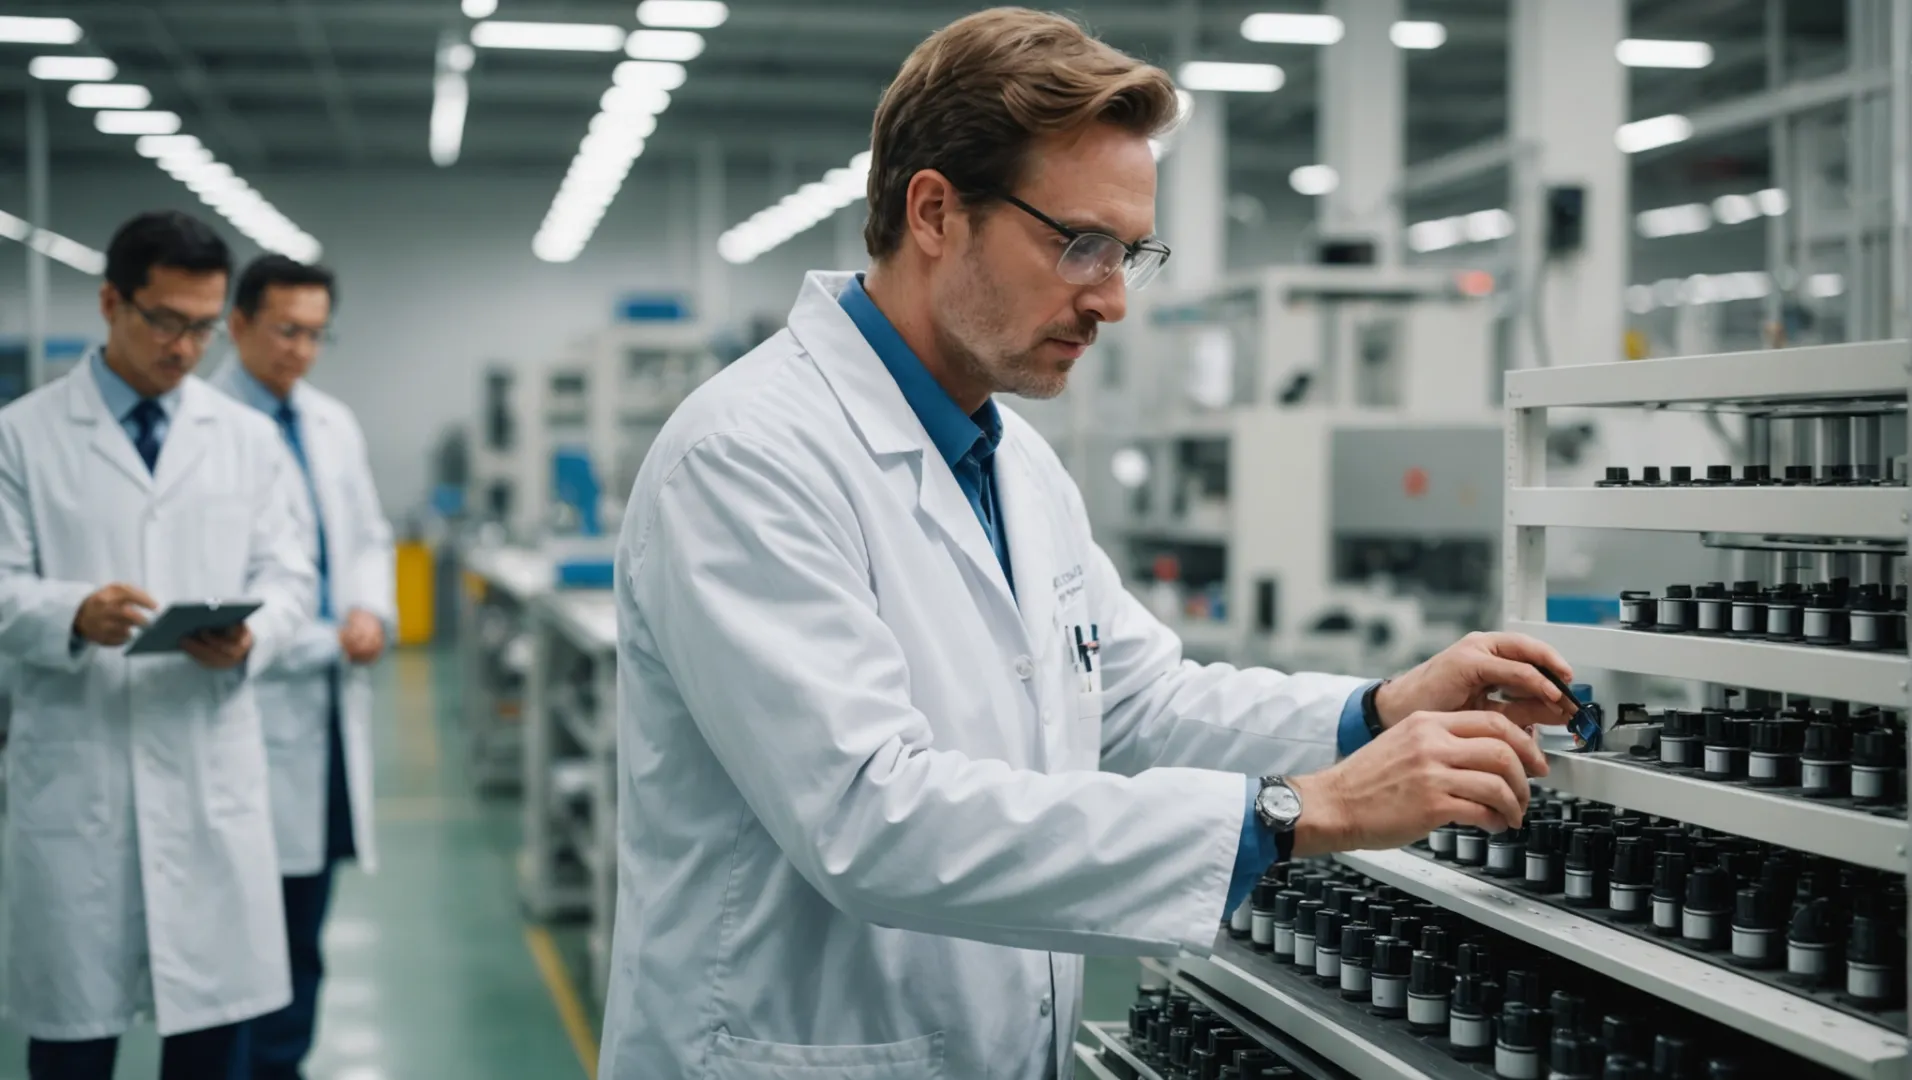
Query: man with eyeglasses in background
(317, 697)
(895, 744)
(140, 877)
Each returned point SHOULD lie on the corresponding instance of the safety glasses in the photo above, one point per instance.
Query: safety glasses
(1091, 257)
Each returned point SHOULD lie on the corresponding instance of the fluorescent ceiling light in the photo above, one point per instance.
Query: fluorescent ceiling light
(1772, 202)
(14, 228)
(479, 9)
(1231, 77)
(1314, 179)
(1653, 133)
(72, 68)
(676, 45)
(1735, 209)
(554, 37)
(28, 30)
(634, 100)
(1825, 286)
(53, 245)
(1484, 225)
(91, 95)
(683, 14)
(1281, 28)
(450, 96)
(116, 122)
(662, 74)
(1417, 35)
(796, 212)
(459, 57)
(1648, 53)
(1681, 220)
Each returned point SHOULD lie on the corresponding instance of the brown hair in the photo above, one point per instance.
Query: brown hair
(973, 96)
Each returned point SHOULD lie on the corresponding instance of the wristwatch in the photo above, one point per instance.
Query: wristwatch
(1278, 806)
(1370, 712)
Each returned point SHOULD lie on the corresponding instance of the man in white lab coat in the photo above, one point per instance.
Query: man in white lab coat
(140, 877)
(896, 745)
(316, 698)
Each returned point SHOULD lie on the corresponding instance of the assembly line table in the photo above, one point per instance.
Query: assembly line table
(500, 583)
(568, 863)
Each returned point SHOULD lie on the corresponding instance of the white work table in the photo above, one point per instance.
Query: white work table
(499, 584)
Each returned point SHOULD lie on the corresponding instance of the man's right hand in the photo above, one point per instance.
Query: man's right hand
(1430, 770)
(109, 616)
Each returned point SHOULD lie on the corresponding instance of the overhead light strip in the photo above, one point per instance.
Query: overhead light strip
(796, 212)
(451, 97)
(1648, 53)
(1701, 289)
(1689, 218)
(1288, 28)
(627, 116)
(121, 110)
(54, 246)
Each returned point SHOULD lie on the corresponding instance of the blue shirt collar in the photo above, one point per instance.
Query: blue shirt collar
(253, 392)
(956, 435)
(120, 397)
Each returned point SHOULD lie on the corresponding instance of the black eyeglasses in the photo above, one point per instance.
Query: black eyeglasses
(1091, 257)
(171, 326)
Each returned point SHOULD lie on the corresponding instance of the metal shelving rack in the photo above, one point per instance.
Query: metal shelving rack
(500, 585)
(1779, 382)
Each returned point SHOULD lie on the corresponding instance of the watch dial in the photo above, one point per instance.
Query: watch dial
(1281, 803)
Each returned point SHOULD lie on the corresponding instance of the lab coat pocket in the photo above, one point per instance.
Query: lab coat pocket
(233, 776)
(1089, 705)
(732, 1058)
(220, 530)
(56, 787)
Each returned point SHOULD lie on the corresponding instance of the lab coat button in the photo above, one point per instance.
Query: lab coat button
(1024, 667)
(1046, 1007)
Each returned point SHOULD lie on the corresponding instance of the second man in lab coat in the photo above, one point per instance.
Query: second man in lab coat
(316, 698)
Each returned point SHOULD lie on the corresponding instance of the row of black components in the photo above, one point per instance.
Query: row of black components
(1844, 475)
(1832, 928)
(1176, 1035)
(1832, 613)
(1475, 994)
(1830, 753)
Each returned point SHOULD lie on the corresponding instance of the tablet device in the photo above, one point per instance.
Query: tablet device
(168, 632)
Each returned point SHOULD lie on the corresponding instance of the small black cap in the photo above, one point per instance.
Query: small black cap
(1826, 742)
(1669, 875)
(1306, 913)
(1287, 905)
(1622, 1067)
(1429, 975)
(1475, 959)
(1682, 474)
(1617, 474)
(1679, 592)
(1708, 888)
(1405, 927)
(1622, 1034)
(1649, 474)
(1437, 942)
(1569, 1010)
(1723, 730)
(1263, 898)
(1878, 749)
(1392, 956)
(1632, 861)
(1524, 986)
(1575, 1055)
(1799, 473)
(1591, 848)
(1472, 995)
(1756, 908)
(1358, 906)
(1673, 1057)
(1719, 472)
(1328, 924)
(1522, 1026)
(1873, 941)
(1778, 736)
(1357, 944)
(1544, 837)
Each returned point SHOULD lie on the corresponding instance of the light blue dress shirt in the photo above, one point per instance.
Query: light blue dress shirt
(121, 399)
(259, 396)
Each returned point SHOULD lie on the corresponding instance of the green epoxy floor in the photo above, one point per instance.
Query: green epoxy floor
(429, 973)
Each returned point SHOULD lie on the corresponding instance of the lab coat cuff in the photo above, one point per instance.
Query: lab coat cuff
(64, 649)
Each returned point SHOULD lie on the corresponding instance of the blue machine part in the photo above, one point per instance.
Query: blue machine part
(650, 307)
(575, 484)
(1583, 610)
(586, 574)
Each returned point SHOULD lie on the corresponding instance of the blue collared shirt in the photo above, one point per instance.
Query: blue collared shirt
(967, 443)
(121, 399)
(256, 394)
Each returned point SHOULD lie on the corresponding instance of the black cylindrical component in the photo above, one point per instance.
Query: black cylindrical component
(1261, 914)
(1437, 942)
(1506, 853)
(1726, 741)
(1785, 605)
(1798, 474)
(1430, 981)
(1776, 747)
(1824, 619)
(1523, 985)
(1574, 1056)
(1682, 474)
(1680, 734)
(1357, 961)
(1470, 846)
(1812, 943)
(1713, 610)
(1719, 474)
(1519, 1037)
(1568, 1009)
(1756, 474)
(1757, 922)
(1705, 921)
(1650, 475)
(1878, 765)
(1869, 622)
(1358, 906)
(1405, 927)
(1626, 1035)
(1469, 1017)
(1825, 762)
(1307, 917)
(1621, 1067)
(1475, 959)
(1281, 924)
(1669, 891)
(1676, 614)
(1388, 975)
(1327, 952)
(1178, 1048)
(1674, 1058)
(1616, 477)
(1631, 879)
(1639, 610)
(1589, 856)
(1725, 1069)
(1441, 841)
(1875, 960)
(1546, 865)
(1749, 610)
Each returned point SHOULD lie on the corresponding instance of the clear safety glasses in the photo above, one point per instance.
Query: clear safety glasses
(1091, 257)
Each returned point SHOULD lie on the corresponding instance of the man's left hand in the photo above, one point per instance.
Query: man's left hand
(220, 650)
(1464, 676)
(362, 638)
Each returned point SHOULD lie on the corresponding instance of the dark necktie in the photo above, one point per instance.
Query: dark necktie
(289, 426)
(146, 417)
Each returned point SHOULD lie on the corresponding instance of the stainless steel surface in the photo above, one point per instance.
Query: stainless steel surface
(1808, 373)
(1843, 1043)
(1874, 513)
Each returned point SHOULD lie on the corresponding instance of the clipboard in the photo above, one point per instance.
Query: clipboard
(177, 622)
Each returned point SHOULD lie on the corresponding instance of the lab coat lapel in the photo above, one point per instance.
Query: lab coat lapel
(1026, 511)
(186, 439)
(888, 425)
(85, 406)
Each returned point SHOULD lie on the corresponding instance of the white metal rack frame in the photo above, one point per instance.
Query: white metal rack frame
(1876, 373)
(568, 861)
(499, 586)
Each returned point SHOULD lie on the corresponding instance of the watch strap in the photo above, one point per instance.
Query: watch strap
(1371, 715)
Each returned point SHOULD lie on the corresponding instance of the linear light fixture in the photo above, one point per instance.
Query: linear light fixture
(451, 96)
(1314, 179)
(1283, 28)
(72, 68)
(552, 37)
(627, 115)
(1653, 133)
(1478, 227)
(1231, 77)
(32, 30)
(479, 9)
(676, 46)
(796, 212)
(54, 246)
(1417, 35)
(91, 95)
(1651, 53)
(1682, 220)
(683, 14)
(144, 122)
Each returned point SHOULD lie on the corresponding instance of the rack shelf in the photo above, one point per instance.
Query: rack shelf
(1112, 1038)
(1787, 820)
(1871, 513)
(1842, 674)
(1809, 373)
(1843, 1043)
